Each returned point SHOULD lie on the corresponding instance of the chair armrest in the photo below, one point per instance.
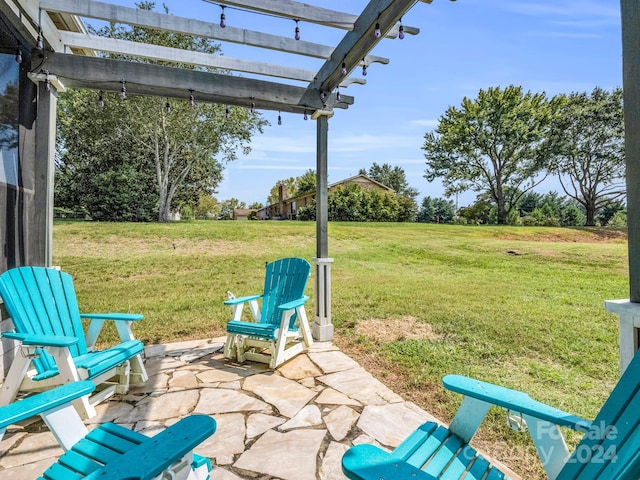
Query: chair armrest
(155, 455)
(513, 400)
(238, 300)
(368, 462)
(127, 317)
(42, 402)
(294, 303)
(41, 340)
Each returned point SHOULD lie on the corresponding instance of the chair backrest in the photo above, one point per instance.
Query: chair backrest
(610, 450)
(285, 280)
(42, 301)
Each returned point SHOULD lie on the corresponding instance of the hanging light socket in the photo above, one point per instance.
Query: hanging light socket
(364, 70)
(227, 114)
(279, 119)
(297, 32)
(40, 42)
(344, 68)
(223, 18)
(306, 116)
(101, 99)
(377, 31)
(401, 32)
(253, 106)
(19, 55)
(167, 107)
(192, 100)
(338, 97)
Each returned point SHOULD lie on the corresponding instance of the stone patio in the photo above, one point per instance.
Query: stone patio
(311, 409)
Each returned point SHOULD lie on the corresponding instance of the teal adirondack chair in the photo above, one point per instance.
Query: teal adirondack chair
(280, 329)
(53, 348)
(609, 450)
(110, 451)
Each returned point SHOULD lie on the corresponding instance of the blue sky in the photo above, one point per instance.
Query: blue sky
(555, 46)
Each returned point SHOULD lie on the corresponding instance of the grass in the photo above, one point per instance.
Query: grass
(522, 307)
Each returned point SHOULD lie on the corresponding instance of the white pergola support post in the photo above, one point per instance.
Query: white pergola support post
(629, 328)
(322, 326)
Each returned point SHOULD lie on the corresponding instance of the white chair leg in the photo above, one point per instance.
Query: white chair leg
(16, 374)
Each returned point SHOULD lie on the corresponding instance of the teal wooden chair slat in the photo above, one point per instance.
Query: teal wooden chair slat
(278, 329)
(110, 451)
(609, 449)
(53, 346)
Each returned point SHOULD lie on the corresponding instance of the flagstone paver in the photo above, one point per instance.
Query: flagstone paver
(359, 384)
(220, 400)
(268, 455)
(292, 423)
(288, 396)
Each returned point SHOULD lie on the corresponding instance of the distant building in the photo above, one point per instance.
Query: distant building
(286, 208)
(241, 213)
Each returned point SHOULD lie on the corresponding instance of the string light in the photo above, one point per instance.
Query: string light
(253, 106)
(223, 18)
(338, 98)
(47, 82)
(297, 35)
(344, 68)
(39, 41)
(123, 90)
(19, 55)
(101, 99)
(279, 119)
(192, 100)
(322, 95)
(364, 69)
(377, 31)
(167, 107)
(306, 117)
(227, 115)
(401, 30)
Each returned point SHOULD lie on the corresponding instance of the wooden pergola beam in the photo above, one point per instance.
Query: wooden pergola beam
(148, 79)
(356, 44)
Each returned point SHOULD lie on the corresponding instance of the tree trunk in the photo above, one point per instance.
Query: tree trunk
(590, 210)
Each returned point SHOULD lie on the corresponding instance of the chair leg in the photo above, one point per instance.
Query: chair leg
(68, 373)
(16, 374)
(138, 373)
(123, 371)
(230, 347)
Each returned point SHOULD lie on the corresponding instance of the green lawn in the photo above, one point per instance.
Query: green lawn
(519, 306)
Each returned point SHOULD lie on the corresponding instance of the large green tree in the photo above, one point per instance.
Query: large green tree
(587, 148)
(176, 150)
(392, 177)
(491, 144)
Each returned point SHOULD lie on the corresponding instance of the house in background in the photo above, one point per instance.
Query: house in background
(286, 208)
(241, 213)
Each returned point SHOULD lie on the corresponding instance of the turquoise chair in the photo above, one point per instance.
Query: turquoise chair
(110, 451)
(53, 347)
(609, 449)
(279, 330)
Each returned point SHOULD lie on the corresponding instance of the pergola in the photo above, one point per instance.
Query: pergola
(59, 52)
(69, 57)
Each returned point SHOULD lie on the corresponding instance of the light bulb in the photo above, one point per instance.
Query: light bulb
(47, 84)
(192, 100)
(297, 35)
(322, 95)
(223, 18)
(101, 99)
(19, 55)
(253, 107)
(306, 117)
(344, 68)
(338, 98)
(401, 32)
(123, 91)
(279, 119)
(227, 115)
(39, 42)
(364, 70)
(167, 108)
(377, 31)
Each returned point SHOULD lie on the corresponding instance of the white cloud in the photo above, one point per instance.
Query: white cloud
(429, 123)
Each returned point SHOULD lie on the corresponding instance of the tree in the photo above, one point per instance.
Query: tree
(392, 177)
(586, 145)
(306, 183)
(227, 207)
(178, 145)
(491, 144)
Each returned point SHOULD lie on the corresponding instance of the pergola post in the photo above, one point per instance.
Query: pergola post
(322, 326)
(43, 173)
(629, 310)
